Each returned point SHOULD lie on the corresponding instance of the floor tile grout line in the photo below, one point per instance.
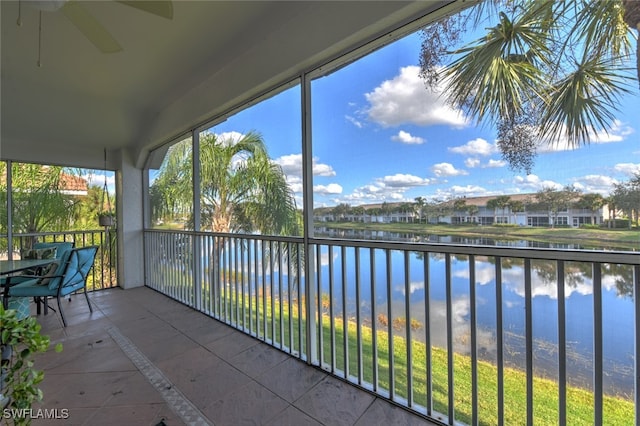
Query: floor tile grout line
(176, 400)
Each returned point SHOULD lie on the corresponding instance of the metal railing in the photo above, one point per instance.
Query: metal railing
(473, 335)
(104, 272)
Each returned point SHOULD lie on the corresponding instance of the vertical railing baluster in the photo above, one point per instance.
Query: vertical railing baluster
(302, 317)
(238, 279)
(345, 319)
(388, 284)
(217, 259)
(358, 315)
(320, 326)
(224, 270)
(474, 340)
(562, 347)
(246, 280)
(249, 282)
(409, 341)
(172, 260)
(597, 344)
(236, 282)
(280, 296)
(272, 291)
(332, 327)
(528, 324)
(256, 285)
(374, 332)
(206, 272)
(427, 333)
(450, 359)
(499, 341)
(289, 298)
(636, 303)
(265, 257)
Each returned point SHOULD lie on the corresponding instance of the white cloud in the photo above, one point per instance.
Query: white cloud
(332, 188)
(406, 137)
(404, 99)
(629, 169)
(354, 121)
(595, 183)
(402, 181)
(618, 132)
(446, 169)
(477, 146)
(292, 165)
(230, 138)
(492, 164)
(471, 162)
(470, 190)
(388, 188)
(295, 183)
(533, 183)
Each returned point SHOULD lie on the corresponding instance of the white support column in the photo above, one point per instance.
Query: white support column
(130, 222)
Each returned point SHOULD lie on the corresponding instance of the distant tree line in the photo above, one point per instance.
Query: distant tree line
(623, 203)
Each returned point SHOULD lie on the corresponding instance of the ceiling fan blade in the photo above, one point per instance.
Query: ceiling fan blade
(162, 8)
(90, 27)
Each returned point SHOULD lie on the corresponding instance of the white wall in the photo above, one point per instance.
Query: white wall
(130, 223)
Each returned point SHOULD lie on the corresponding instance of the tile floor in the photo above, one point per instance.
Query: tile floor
(143, 359)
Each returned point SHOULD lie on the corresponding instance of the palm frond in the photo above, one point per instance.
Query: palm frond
(584, 101)
(604, 30)
(496, 76)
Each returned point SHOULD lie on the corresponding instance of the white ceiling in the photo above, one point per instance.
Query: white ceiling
(171, 74)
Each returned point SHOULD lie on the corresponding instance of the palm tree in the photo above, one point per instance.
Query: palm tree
(358, 212)
(241, 189)
(420, 204)
(592, 202)
(516, 206)
(39, 202)
(459, 208)
(472, 210)
(500, 202)
(171, 193)
(545, 71)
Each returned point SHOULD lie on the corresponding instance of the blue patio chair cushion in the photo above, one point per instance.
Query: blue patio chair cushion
(54, 283)
(62, 247)
(39, 253)
(81, 263)
(31, 288)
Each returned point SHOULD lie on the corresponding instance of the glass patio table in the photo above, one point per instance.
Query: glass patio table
(9, 268)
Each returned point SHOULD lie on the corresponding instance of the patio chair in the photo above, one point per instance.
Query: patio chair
(61, 250)
(69, 277)
(21, 304)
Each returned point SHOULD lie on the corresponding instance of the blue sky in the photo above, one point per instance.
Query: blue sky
(379, 135)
